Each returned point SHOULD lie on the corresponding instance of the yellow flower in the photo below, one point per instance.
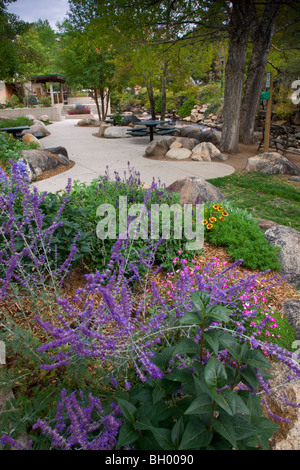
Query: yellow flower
(215, 206)
(225, 213)
(212, 219)
(209, 226)
(221, 218)
(204, 222)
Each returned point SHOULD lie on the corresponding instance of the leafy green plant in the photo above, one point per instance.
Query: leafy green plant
(11, 149)
(210, 403)
(20, 121)
(270, 197)
(186, 107)
(239, 233)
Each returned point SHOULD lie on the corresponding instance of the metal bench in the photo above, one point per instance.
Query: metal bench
(138, 132)
(279, 138)
(164, 130)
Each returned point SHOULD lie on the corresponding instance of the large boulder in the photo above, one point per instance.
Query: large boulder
(38, 127)
(193, 190)
(116, 132)
(30, 138)
(61, 153)
(178, 153)
(288, 239)
(272, 163)
(185, 142)
(130, 119)
(157, 148)
(291, 309)
(206, 150)
(193, 132)
(39, 161)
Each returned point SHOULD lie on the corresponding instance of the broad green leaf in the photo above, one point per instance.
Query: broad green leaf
(179, 375)
(191, 318)
(214, 371)
(266, 429)
(211, 338)
(256, 358)
(200, 300)
(195, 436)
(157, 394)
(187, 346)
(202, 404)
(177, 432)
(225, 401)
(222, 425)
(128, 410)
(243, 428)
(218, 313)
(126, 435)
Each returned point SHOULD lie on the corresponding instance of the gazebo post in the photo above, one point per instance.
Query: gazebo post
(51, 93)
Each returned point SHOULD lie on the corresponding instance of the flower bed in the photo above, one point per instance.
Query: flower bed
(138, 356)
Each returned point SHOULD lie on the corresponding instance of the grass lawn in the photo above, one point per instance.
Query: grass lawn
(270, 197)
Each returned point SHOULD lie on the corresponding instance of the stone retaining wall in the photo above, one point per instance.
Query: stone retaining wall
(54, 112)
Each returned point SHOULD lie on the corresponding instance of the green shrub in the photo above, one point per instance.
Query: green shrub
(11, 149)
(239, 233)
(20, 121)
(186, 108)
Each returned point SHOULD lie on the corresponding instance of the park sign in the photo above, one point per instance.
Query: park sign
(265, 95)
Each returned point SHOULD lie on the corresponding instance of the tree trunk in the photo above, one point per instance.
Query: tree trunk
(151, 98)
(95, 98)
(164, 91)
(240, 22)
(262, 38)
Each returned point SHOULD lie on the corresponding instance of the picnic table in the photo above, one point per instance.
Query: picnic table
(152, 127)
(15, 131)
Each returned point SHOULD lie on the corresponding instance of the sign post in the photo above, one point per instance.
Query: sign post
(269, 84)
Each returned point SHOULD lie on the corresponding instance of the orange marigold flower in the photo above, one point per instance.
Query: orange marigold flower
(221, 218)
(209, 226)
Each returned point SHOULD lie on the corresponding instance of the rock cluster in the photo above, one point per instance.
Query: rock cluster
(196, 145)
(38, 161)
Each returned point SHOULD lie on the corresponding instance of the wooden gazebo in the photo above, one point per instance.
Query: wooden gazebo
(57, 97)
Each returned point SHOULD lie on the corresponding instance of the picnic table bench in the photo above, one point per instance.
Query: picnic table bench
(279, 137)
(150, 128)
(17, 132)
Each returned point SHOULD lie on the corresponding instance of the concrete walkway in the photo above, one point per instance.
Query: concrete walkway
(93, 154)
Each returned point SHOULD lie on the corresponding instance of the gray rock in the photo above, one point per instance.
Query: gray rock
(288, 239)
(157, 148)
(295, 178)
(206, 150)
(58, 150)
(291, 309)
(63, 160)
(272, 163)
(187, 143)
(37, 127)
(116, 132)
(40, 161)
(131, 118)
(194, 190)
(179, 153)
(193, 132)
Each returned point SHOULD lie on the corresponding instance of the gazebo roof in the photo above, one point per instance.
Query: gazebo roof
(48, 78)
